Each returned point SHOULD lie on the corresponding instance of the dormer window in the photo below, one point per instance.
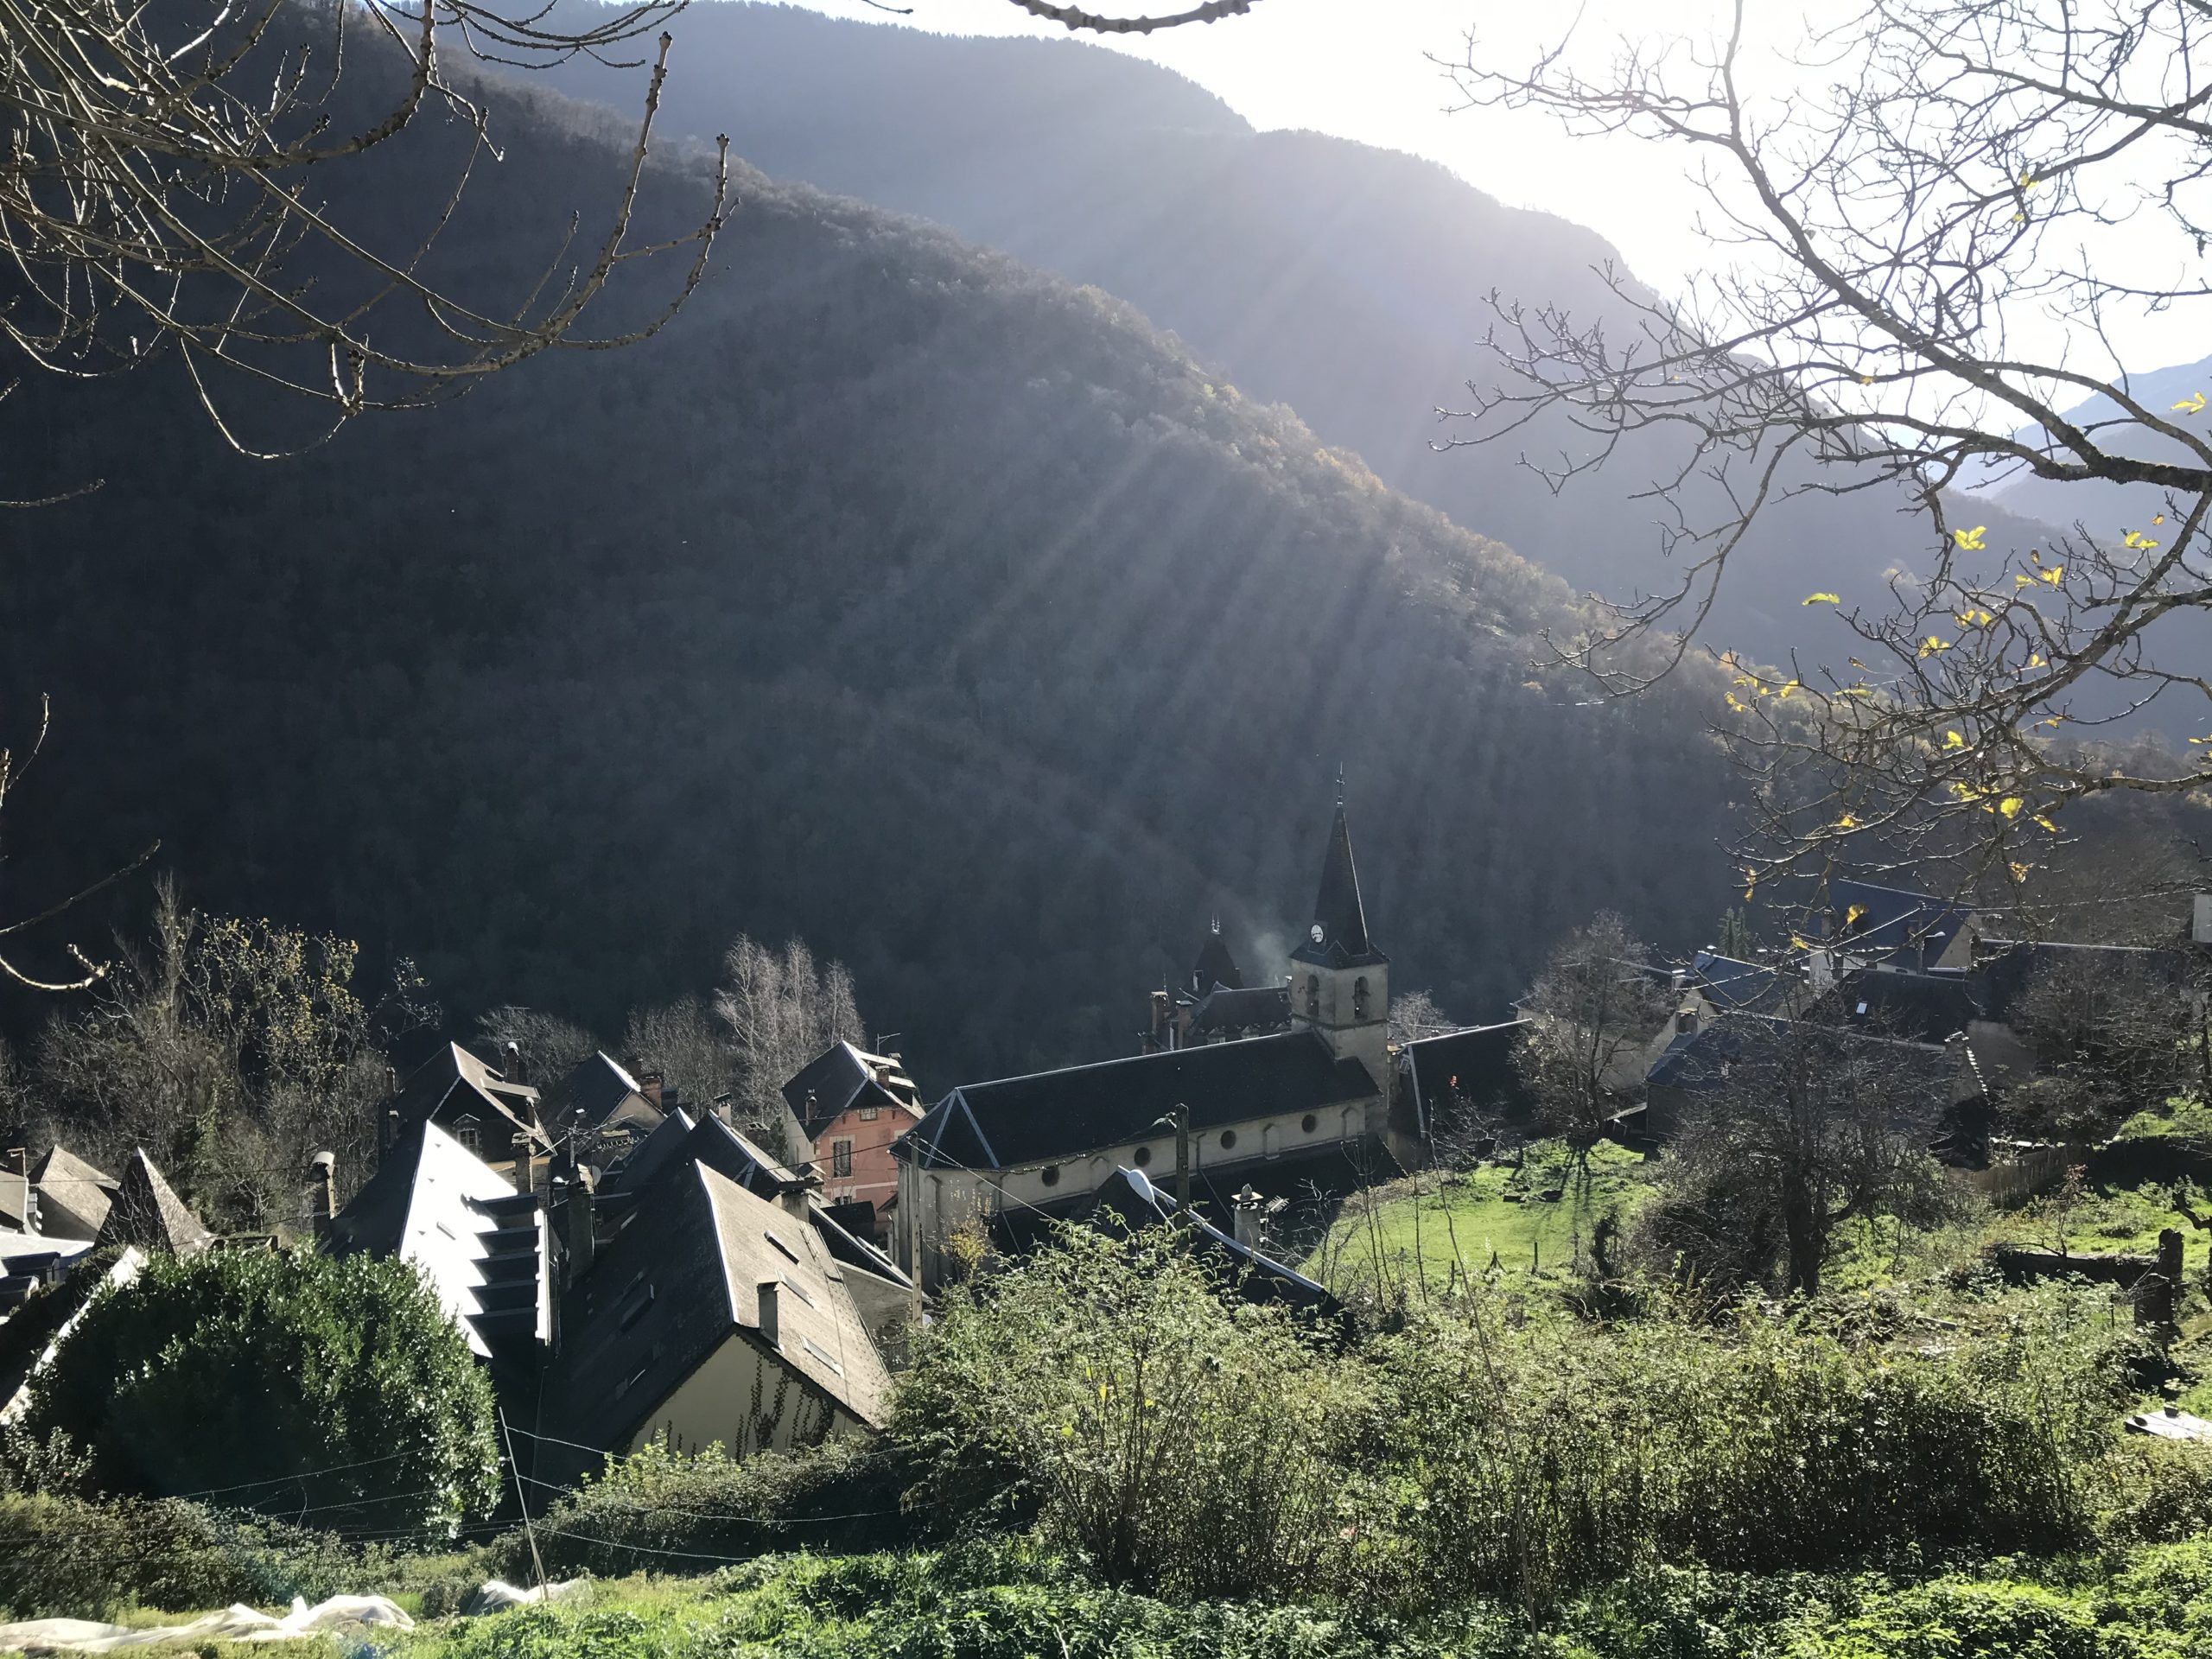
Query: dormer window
(1359, 997)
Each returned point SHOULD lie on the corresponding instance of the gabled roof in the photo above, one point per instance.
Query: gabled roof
(650, 1155)
(1922, 1007)
(600, 1088)
(147, 1213)
(437, 1204)
(845, 1076)
(1127, 1201)
(1259, 1007)
(1473, 1067)
(678, 1284)
(1054, 1114)
(1741, 986)
(430, 1089)
(1890, 919)
(1339, 935)
(70, 1191)
(1700, 1062)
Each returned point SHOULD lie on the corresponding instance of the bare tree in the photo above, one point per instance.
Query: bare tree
(781, 1010)
(549, 1045)
(1591, 1013)
(1074, 18)
(2112, 1033)
(687, 1044)
(86, 972)
(1413, 1015)
(156, 173)
(1970, 168)
(1796, 1129)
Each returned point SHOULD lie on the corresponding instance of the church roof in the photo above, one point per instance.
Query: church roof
(1051, 1115)
(1261, 1007)
(1215, 966)
(1339, 935)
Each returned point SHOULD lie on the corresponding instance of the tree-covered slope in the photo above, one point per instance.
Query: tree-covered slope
(897, 595)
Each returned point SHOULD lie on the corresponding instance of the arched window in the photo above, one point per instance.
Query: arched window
(1314, 996)
(1359, 997)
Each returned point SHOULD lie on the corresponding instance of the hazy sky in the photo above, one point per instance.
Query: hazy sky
(1361, 69)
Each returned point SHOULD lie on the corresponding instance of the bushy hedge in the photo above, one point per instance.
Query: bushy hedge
(664, 1511)
(76, 1558)
(336, 1389)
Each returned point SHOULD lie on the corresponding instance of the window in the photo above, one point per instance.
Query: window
(1314, 996)
(639, 1304)
(1143, 1157)
(464, 1132)
(1050, 1174)
(1359, 997)
(868, 1114)
(841, 1158)
(1228, 1139)
(1309, 1122)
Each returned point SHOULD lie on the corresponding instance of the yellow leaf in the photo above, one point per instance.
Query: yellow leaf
(1856, 663)
(2024, 582)
(2136, 538)
(1821, 599)
(2160, 520)
(1853, 914)
(1866, 379)
(1750, 882)
(1857, 691)
(2010, 805)
(2194, 404)
(2046, 824)
(1785, 690)
(1847, 821)
(1953, 741)
(1736, 702)
(2020, 871)
(1969, 541)
(2052, 575)
(2035, 660)
(1796, 943)
(1974, 619)
(1930, 645)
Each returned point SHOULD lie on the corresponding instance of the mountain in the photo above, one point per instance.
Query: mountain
(898, 595)
(1350, 282)
(2109, 509)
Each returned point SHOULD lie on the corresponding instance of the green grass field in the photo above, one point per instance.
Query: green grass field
(1533, 1217)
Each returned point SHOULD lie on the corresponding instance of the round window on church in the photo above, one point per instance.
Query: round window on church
(1050, 1174)
(1228, 1139)
(1309, 1122)
(1143, 1157)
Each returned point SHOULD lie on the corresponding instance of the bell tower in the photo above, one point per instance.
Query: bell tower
(1339, 982)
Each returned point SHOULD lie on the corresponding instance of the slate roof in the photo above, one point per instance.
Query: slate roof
(599, 1087)
(1262, 1007)
(1893, 921)
(1461, 1068)
(2005, 968)
(1215, 966)
(682, 1278)
(1741, 986)
(1339, 938)
(1920, 1007)
(844, 1075)
(429, 1091)
(147, 1213)
(649, 1156)
(29, 1335)
(1700, 1062)
(67, 1183)
(1127, 1201)
(437, 1204)
(1053, 1115)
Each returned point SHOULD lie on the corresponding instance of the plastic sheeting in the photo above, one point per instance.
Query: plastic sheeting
(341, 1616)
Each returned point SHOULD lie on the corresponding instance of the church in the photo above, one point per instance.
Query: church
(1301, 1110)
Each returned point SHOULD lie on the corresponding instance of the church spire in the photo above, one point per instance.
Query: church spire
(1339, 935)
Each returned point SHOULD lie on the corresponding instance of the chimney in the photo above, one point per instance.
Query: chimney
(583, 1244)
(19, 1166)
(2200, 921)
(511, 1064)
(769, 1289)
(523, 1174)
(391, 1125)
(325, 1190)
(649, 1086)
(1248, 1217)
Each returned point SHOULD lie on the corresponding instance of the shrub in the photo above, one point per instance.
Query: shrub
(669, 1511)
(2155, 1493)
(1166, 1439)
(71, 1557)
(288, 1381)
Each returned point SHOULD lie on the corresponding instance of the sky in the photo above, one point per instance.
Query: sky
(1369, 70)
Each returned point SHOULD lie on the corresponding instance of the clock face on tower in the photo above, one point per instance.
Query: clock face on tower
(1317, 932)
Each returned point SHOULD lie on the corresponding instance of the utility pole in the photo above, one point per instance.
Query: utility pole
(1182, 1116)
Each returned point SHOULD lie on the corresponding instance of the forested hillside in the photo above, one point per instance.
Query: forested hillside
(1353, 283)
(898, 595)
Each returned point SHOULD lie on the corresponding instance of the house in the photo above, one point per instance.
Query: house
(1303, 1110)
(1450, 1078)
(601, 1107)
(474, 1102)
(1925, 1080)
(489, 1251)
(60, 1196)
(30, 1336)
(1128, 1202)
(146, 1212)
(1863, 923)
(849, 1106)
(716, 1316)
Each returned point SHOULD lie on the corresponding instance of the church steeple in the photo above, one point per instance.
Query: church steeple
(1339, 938)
